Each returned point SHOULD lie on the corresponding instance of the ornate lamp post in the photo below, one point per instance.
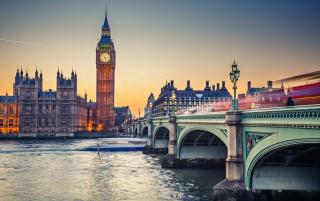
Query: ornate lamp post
(172, 103)
(234, 76)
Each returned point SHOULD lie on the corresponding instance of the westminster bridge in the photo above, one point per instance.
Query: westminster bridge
(266, 149)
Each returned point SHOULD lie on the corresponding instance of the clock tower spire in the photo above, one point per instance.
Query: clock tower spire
(105, 64)
(105, 27)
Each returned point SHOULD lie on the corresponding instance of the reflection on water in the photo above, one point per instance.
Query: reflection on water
(59, 170)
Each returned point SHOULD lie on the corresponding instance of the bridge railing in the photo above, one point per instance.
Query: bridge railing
(295, 116)
(214, 117)
(162, 119)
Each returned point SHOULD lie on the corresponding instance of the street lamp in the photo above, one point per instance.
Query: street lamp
(234, 76)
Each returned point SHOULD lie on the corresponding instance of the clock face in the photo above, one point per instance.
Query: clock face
(104, 57)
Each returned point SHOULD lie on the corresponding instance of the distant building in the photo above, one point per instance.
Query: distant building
(148, 108)
(123, 117)
(172, 100)
(262, 97)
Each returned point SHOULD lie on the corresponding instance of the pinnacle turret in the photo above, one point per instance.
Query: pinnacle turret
(36, 73)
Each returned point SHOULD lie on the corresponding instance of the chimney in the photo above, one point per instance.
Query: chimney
(249, 85)
(218, 86)
(207, 84)
(269, 84)
(188, 84)
(213, 87)
(223, 85)
(172, 83)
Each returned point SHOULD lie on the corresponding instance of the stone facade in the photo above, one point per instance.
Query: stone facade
(148, 108)
(172, 101)
(123, 117)
(105, 63)
(33, 110)
(9, 114)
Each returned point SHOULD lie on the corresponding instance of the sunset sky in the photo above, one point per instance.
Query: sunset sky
(156, 41)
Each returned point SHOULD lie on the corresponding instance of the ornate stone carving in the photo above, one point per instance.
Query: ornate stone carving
(179, 129)
(253, 139)
(224, 131)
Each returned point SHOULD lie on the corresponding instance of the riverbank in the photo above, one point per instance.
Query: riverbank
(48, 136)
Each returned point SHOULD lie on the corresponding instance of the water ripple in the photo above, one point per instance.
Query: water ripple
(56, 170)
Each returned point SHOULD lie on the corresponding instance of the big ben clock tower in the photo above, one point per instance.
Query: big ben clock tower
(105, 63)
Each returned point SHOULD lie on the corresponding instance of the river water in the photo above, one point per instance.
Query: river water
(63, 170)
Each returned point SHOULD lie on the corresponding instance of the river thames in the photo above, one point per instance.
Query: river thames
(64, 170)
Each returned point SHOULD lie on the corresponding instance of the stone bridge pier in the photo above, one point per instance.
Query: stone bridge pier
(233, 185)
(148, 149)
(172, 147)
(171, 160)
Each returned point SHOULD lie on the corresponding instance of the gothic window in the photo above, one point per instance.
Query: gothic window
(64, 109)
(28, 94)
(1, 122)
(28, 109)
(10, 122)
(27, 122)
(10, 110)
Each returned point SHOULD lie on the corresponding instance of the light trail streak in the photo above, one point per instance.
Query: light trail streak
(28, 43)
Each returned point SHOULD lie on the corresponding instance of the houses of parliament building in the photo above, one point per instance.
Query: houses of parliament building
(33, 110)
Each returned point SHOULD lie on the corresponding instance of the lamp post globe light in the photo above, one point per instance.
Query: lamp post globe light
(234, 76)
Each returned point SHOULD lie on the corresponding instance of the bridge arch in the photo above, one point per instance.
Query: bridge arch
(144, 131)
(285, 161)
(202, 143)
(215, 131)
(161, 138)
